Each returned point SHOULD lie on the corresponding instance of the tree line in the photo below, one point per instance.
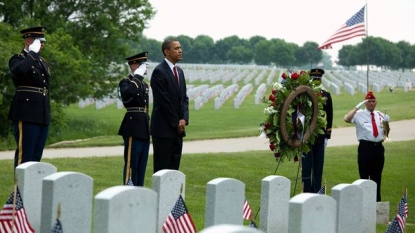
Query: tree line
(87, 40)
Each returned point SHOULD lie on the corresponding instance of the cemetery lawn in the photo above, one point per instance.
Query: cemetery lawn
(250, 168)
(100, 127)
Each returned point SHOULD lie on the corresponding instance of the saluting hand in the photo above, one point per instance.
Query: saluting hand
(35, 46)
(141, 70)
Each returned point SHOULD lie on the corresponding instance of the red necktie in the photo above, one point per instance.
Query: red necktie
(176, 75)
(375, 128)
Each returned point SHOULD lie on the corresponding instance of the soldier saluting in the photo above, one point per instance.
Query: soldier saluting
(135, 126)
(30, 107)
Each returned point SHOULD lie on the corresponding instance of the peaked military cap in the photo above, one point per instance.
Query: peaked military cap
(138, 58)
(316, 72)
(36, 32)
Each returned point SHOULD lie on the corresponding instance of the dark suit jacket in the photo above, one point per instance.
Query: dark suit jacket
(31, 72)
(134, 93)
(170, 102)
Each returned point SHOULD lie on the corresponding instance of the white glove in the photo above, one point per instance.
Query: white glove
(35, 46)
(360, 104)
(325, 142)
(141, 70)
(386, 118)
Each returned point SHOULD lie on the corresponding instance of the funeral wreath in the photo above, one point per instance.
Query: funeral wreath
(294, 115)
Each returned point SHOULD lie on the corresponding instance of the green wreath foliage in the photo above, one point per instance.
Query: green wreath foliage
(270, 127)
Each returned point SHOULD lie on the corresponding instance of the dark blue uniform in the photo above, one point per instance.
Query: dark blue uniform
(30, 107)
(135, 128)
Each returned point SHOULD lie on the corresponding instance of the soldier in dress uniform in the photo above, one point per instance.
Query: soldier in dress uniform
(135, 126)
(313, 162)
(30, 107)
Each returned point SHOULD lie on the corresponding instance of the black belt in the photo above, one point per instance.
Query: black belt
(371, 143)
(137, 109)
(39, 90)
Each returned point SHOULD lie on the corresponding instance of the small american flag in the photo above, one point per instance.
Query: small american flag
(398, 223)
(179, 220)
(20, 222)
(353, 27)
(57, 228)
(394, 227)
(247, 211)
(129, 182)
(322, 190)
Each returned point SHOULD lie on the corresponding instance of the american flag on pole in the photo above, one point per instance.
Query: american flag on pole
(398, 222)
(394, 227)
(247, 211)
(57, 228)
(353, 27)
(322, 190)
(129, 182)
(13, 218)
(179, 220)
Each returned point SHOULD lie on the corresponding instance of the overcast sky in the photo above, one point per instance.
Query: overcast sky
(294, 21)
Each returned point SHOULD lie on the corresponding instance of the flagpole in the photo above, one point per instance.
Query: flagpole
(14, 203)
(367, 50)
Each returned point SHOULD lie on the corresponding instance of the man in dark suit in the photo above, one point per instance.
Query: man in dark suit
(313, 162)
(30, 107)
(135, 128)
(170, 113)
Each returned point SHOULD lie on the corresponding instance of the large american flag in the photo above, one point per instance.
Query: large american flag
(353, 27)
(179, 220)
(20, 222)
(247, 211)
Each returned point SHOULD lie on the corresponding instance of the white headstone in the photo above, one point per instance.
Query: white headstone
(369, 205)
(73, 192)
(29, 180)
(125, 209)
(227, 228)
(349, 200)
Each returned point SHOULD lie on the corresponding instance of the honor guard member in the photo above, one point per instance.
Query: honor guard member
(30, 107)
(313, 161)
(135, 126)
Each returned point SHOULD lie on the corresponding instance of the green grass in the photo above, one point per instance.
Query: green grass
(100, 127)
(249, 167)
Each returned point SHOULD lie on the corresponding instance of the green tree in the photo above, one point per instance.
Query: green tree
(240, 54)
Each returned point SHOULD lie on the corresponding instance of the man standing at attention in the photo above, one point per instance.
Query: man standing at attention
(313, 162)
(370, 134)
(135, 128)
(30, 107)
(170, 114)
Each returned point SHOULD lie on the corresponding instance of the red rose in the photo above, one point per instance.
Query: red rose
(303, 72)
(284, 76)
(296, 159)
(274, 91)
(271, 97)
(267, 125)
(277, 155)
(271, 146)
(294, 76)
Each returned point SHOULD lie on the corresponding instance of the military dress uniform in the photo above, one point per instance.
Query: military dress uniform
(313, 162)
(135, 125)
(30, 107)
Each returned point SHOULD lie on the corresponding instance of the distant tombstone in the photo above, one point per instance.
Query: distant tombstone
(227, 228)
(349, 200)
(126, 209)
(168, 184)
(369, 204)
(275, 196)
(312, 213)
(224, 202)
(29, 179)
(382, 212)
(73, 192)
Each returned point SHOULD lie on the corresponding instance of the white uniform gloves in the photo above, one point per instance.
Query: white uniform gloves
(35, 46)
(386, 118)
(141, 70)
(325, 142)
(360, 104)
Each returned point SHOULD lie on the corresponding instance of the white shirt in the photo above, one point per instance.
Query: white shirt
(363, 121)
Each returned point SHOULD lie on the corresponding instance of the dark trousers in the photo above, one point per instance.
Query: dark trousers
(312, 168)
(371, 158)
(167, 153)
(138, 159)
(30, 140)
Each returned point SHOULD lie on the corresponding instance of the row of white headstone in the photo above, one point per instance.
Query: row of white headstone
(119, 209)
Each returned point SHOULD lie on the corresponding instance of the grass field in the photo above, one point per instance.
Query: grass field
(250, 168)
